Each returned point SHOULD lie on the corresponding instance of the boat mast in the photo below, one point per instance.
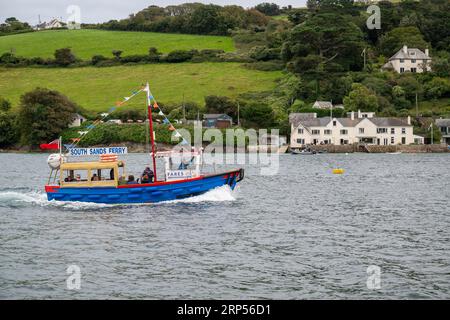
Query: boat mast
(152, 136)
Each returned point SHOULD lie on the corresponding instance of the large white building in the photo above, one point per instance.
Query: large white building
(444, 127)
(409, 60)
(358, 127)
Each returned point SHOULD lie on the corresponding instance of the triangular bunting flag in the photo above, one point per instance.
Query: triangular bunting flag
(184, 142)
(165, 121)
(155, 105)
(161, 113)
(177, 135)
(127, 98)
(171, 128)
(118, 103)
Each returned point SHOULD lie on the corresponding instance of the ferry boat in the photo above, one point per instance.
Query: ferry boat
(107, 181)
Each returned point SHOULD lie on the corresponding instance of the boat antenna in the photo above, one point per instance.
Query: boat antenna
(152, 134)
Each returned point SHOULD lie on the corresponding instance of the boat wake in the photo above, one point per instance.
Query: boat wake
(15, 199)
(223, 193)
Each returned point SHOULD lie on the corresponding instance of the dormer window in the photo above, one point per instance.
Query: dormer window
(411, 53)
(402, 60)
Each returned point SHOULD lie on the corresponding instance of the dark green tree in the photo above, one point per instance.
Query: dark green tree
(64, 57)
(330, 37)
(43, 114)
(394, 40)
(269, 9)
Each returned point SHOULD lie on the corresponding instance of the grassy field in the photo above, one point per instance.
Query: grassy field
(86, 43)
(99, 88)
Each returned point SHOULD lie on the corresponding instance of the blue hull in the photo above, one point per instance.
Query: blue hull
(146, 193)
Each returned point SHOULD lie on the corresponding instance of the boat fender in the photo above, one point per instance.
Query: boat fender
(240, 175)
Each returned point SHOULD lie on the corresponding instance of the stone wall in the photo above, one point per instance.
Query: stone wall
(419, 148)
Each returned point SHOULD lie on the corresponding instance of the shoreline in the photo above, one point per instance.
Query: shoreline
(142, 148)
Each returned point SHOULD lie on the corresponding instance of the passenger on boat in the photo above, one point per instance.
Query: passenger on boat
(147, 176)
(131, 179)
(78, 177)
(95, 177)
(111, 174)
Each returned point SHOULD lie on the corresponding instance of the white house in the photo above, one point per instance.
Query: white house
(409, 60)
(444, 127)
(359, 127)
(77, 120)
(52, 24)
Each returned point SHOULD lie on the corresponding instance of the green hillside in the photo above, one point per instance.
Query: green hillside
(99, 88)
(86, 43)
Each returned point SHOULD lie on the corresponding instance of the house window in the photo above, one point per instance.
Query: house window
(327, 132)
(392, 130)
(392, 140)
(344, 131)
(414, 70)
(402, 60)
(315, 132)
(403, 130)
(413, 60)
(361, 130)
(402, 70)
(300, 131)
(381, 130)
(334, 123)
(301, 141)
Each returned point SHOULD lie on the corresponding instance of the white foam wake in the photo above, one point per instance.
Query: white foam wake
(223, 193)
(17, 199)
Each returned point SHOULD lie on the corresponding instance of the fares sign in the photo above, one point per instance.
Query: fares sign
(78, 152)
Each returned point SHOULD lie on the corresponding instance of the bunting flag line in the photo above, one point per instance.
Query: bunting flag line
(103, 117)
(165, 120)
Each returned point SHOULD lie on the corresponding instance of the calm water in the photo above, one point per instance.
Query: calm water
(302, 234)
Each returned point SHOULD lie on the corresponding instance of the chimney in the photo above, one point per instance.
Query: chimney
(405, 49)
(359, 114)
(427, 52)
(352, 115)
(409, 120)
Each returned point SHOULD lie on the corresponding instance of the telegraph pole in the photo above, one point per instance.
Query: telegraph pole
(184, 111)
(417, 106)
(238, 122)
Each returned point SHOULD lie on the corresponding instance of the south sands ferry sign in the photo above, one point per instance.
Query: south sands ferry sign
(79, 152)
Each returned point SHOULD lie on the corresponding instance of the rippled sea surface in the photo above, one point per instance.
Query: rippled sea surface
(303, 233)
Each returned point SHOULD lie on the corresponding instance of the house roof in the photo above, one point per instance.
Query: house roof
(295, 118)
(216, 116)
(411, 53)
(388, 65)
(323, 104)
(443, 122)
(389, 122)
(348, 122)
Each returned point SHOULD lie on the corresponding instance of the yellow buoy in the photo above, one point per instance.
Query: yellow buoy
(338, 171)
